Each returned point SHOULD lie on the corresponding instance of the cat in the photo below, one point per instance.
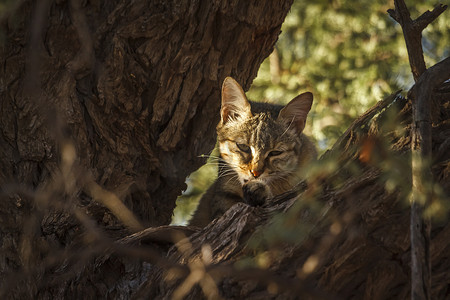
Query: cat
(262, 151)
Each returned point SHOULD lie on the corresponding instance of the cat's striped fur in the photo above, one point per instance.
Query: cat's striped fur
(263, 151)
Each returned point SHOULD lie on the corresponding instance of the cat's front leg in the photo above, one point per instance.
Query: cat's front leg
(256, 193)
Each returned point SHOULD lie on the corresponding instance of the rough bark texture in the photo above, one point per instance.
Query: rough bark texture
(357, 246)
(113, 101)
(422, 179)
(421, 145)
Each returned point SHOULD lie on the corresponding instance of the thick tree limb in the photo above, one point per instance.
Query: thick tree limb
(359, 246)
(422, 186)
(422, 91)
(421, 142)
(161, 234)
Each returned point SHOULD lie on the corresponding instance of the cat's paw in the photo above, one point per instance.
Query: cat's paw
(255, 193)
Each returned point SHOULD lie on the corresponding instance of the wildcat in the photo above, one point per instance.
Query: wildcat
(262, 151)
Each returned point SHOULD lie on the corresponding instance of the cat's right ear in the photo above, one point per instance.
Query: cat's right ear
(295, 112)
(234, 102)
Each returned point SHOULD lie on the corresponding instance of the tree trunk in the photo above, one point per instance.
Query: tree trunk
(105, 108)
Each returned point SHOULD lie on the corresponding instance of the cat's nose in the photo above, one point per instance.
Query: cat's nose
(255, 173)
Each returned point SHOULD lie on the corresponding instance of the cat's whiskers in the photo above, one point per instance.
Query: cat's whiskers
(235, 177)
(221, 163)
(247, 134)
(216, 164)
(211, 156)
(225, 174)
(227, 169)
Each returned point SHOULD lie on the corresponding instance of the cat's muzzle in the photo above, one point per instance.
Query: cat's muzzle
(255, 193)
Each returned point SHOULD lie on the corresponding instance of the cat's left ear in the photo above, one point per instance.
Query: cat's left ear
(295, 112)
(234, 102)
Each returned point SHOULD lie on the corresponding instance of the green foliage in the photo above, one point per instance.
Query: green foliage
(198, 182)
(350, 54)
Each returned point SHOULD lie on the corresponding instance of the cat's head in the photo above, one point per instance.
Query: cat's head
(264, 146)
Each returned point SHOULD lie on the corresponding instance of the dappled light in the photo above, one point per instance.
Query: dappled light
(337, 189)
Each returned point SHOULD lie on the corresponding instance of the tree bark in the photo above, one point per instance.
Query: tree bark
(96, 141)
(421, 145)
(105, 108)
(344, 236)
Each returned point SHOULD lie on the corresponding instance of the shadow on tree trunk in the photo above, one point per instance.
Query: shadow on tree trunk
(106, 109)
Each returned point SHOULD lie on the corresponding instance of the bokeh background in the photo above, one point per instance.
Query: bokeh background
(348, 53)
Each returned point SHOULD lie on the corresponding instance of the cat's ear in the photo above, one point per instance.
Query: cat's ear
(234, 103)
(295, 112)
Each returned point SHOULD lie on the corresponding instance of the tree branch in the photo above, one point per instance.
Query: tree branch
(421, 143)
(412, 30)
(422, 91)
(162, 234)
(429, 16)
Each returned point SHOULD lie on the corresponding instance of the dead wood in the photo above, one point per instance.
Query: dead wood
(136, 116)
(412, 30)
(356, 246)
(423, 108)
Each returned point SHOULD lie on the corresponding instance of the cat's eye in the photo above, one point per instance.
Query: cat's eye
(243, 147)
(275, 153)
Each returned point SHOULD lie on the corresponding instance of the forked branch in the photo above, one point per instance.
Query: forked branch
(426, 81)
(412, 30)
